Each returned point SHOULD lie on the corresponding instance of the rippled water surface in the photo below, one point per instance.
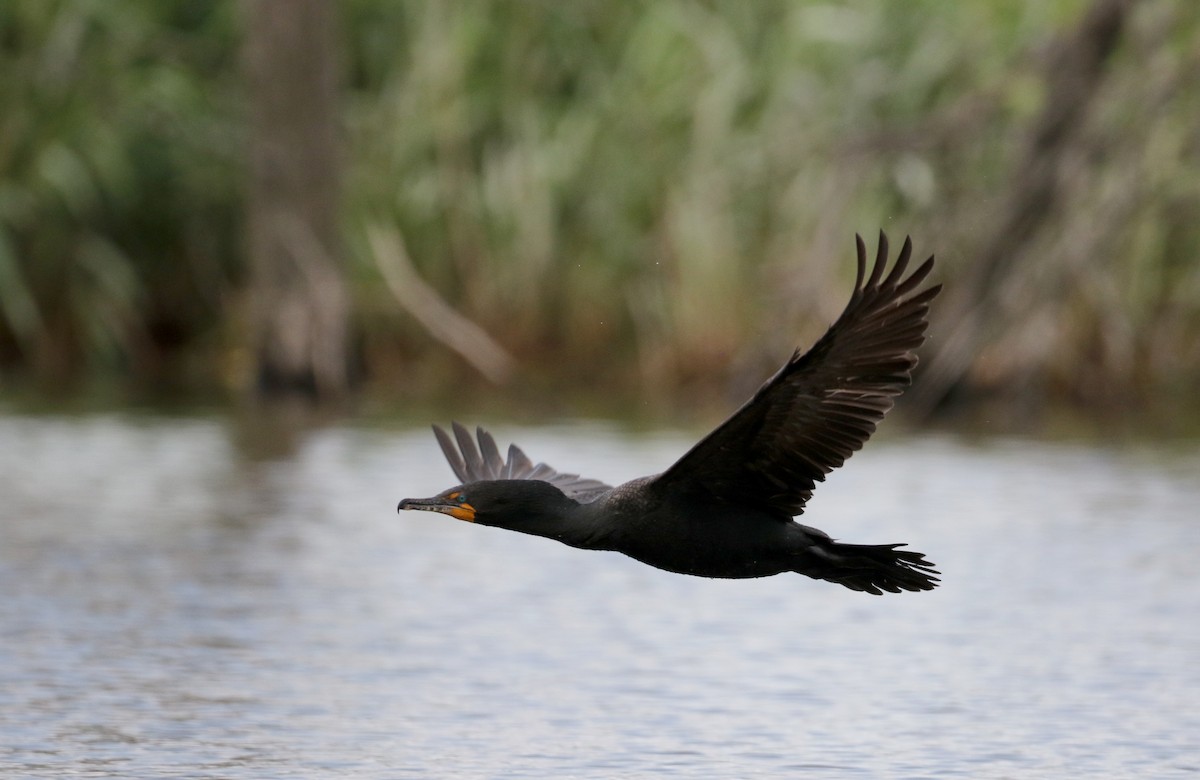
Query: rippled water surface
(173, 606)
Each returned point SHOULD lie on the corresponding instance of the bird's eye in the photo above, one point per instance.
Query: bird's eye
(457, 497)
(461, 498)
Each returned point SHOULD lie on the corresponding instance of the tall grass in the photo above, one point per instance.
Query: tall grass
(636, 195)
(117, 199)
(704, 166)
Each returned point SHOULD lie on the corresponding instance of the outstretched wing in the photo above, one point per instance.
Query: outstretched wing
(471, 464)
(820, 407)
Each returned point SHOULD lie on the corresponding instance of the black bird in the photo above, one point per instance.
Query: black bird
(725, 508)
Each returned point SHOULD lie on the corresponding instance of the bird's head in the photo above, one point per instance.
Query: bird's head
(527, 505)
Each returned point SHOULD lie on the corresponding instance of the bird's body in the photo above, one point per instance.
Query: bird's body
(725, 509)
(648, 528)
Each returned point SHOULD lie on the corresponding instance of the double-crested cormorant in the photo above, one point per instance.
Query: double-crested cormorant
(725, 508)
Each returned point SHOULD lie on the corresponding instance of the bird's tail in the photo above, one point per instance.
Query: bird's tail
(871, 568)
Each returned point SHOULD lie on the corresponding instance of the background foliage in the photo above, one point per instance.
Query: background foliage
(628, 196)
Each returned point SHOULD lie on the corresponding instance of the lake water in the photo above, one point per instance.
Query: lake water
(179, 603)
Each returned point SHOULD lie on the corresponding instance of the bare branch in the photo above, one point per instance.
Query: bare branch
(435, 315)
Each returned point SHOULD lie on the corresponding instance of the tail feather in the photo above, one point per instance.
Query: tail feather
(871, 568)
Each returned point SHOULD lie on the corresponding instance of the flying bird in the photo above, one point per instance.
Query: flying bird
(726, 508)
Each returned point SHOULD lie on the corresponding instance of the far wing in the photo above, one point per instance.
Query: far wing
(821, 406)
(472, 464)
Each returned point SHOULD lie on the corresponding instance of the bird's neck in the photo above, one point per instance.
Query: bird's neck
(572, 523)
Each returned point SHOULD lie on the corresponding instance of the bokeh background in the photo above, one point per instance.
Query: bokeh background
(250, 249)
(612, 204)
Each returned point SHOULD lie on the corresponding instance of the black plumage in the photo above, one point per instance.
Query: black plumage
(726, 508)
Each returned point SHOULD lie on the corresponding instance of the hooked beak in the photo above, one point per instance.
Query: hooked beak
(439, 504)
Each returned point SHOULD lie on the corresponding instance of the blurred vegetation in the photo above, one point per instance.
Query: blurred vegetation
(119, 140)
(630, 197)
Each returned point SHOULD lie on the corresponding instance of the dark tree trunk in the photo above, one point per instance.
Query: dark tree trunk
(298, 296)
(1076, 68)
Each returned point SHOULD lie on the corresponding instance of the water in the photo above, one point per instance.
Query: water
(174, 607)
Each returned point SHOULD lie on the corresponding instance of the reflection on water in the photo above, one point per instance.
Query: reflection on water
(174, 607)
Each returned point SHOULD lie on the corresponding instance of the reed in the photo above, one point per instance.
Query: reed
(118, 199)
(640, 195)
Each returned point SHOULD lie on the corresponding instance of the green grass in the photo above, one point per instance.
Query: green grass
(638, 196)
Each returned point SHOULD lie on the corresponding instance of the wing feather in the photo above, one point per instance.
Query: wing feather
(822, 405)
(472, 463)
